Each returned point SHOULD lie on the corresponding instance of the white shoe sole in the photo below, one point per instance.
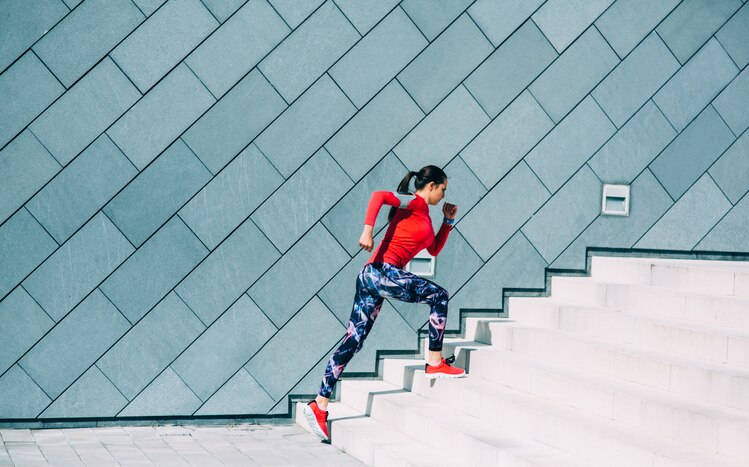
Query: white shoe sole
(312, 420)
(443, 376)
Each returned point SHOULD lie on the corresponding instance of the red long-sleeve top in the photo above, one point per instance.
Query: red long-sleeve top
(409, 232)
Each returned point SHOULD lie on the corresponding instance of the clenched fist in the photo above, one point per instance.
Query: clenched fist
(449, 210)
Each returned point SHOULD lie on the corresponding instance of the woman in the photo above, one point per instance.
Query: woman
(383, 276)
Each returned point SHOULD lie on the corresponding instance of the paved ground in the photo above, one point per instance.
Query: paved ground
(245, 444)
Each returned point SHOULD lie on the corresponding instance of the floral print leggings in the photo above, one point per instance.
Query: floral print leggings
(377, 281)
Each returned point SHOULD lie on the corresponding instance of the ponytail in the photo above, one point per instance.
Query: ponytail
(429, 173)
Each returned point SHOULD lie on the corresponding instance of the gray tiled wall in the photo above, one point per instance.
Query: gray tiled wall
(183, 182)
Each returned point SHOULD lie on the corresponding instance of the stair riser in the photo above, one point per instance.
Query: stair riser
(705, 385)
(693, 279)
(712, 311)
(643, 332)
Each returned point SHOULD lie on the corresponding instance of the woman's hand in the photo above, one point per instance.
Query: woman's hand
(366, 241)
(449, 210)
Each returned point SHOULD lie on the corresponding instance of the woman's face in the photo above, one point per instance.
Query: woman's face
(436, 192)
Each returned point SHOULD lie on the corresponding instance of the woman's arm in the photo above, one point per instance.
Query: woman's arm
(379, 198)
(376, 201)
(449, 211)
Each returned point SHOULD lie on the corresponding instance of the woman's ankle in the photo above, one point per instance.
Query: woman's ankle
(322, 402)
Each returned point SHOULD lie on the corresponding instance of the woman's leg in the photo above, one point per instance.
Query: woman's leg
(365, 310)
(408, 287)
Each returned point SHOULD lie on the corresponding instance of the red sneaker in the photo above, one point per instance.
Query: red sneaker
(317, 419)
(444, 369)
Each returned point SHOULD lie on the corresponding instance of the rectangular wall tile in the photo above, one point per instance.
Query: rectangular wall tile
(86, 35)
(231, 197)
(503, 211)
(291, 139)
(444, 132)
(20, 397)
(85, 111)
(689, 219)
(566, 214)
(633, 147)
(627, 22)
(433, 17)
(692, 152)
(241, 394)
(29, 20)
(731, 171)
(148, 7)
(374, 130)
(293, 199)
(516, 264)
(234, 121)
(26, 89)
(163, 40)
(378, 57)
(25, 166)
(222, 9)
(648, 202)
(511, 68)
(93, 395)
(160, 116)
(81, 189)
(730, 233)
(734, 36)
(151, 272)
(364, 15)
(227, 345)
(75, 269)
(74, 344)
(338, 220)
(445, 63)
(22, 323)
(312, 262)
(23, 246)
(498, 19)
(237, 46)
(294, 12)
(507, 139)
(465, 190)
(570, 144)
(317, 327)
(562, 21)
(574, 74)
(167, 395)
(310, 50)
(730, 103)
(227, 272)
(695, 85)
(133, 362)
(692, 23)
(635, 80)
(157, 193)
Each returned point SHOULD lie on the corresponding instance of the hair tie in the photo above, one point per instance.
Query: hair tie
(414, 173)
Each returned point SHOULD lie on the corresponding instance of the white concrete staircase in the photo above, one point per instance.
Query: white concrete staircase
(645, 363)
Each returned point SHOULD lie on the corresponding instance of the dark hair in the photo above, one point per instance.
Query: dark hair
(428, 173)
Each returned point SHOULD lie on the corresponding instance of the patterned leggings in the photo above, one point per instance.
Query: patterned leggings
(376, 282)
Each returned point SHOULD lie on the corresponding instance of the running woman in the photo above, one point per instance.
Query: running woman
(383, 276)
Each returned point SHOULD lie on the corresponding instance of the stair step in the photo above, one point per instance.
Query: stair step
(710, 310)
(713, 383)
(475, 441)
(707, 426)
(709, 277)
(701, 341)
(493, 407)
